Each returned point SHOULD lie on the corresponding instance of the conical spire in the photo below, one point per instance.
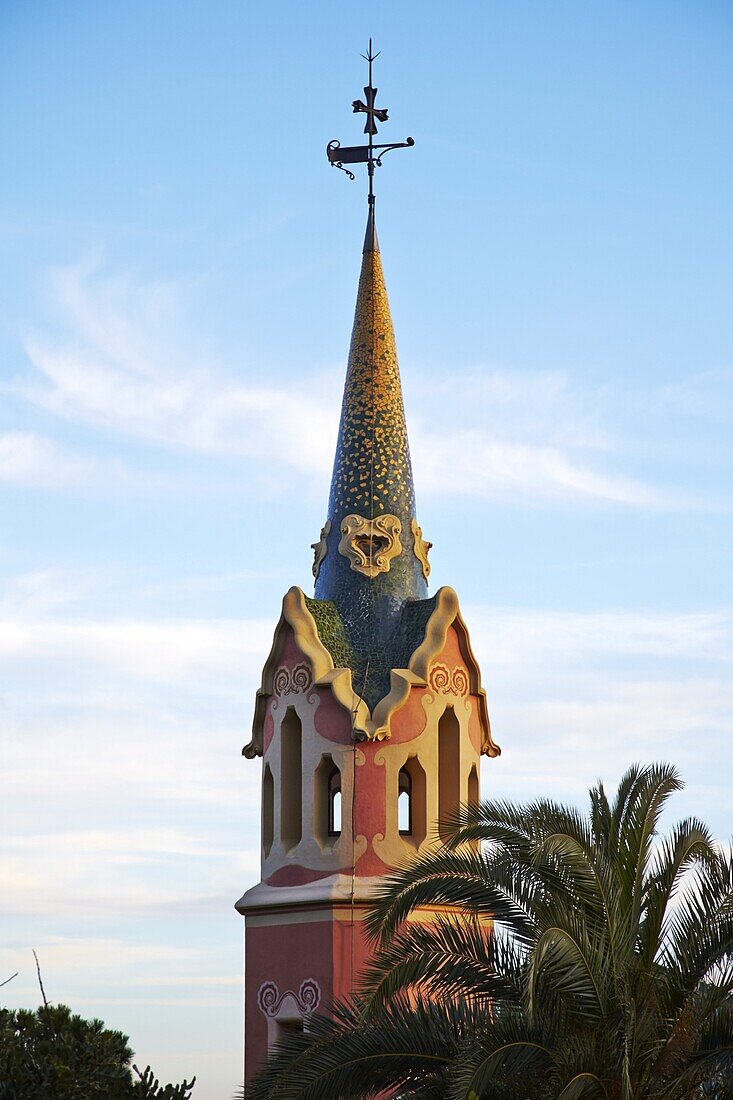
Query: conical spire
(371, 567)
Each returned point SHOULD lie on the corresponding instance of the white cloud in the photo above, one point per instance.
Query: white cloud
(73, 967)
(708, 394)
(87, 889)
(501, 434)
(119, 370)
(576, 695)
(32, 461)
(161, 651)
(29, 460)
(468, 463)
(549, 638)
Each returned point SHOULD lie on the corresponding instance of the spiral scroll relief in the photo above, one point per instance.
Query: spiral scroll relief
(292, 681)
(445, 681)
(308, 997)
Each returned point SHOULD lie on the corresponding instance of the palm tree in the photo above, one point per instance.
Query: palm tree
(576, 957)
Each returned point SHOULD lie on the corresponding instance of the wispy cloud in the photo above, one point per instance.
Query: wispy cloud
(160, 651)
(467, 463)
(119, 369)
(508, 435)
(577, 695)
(34, 462)
(707, 395)
(29, 460)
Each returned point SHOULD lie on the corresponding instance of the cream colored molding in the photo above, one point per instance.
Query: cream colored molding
(421, 547)
(366, 725)
(336, 889)
(295, 615)
(320, 548)
(370, 544)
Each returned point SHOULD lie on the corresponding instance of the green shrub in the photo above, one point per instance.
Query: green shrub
(52, 1054)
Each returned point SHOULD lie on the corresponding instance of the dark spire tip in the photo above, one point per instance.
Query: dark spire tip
(371, 242)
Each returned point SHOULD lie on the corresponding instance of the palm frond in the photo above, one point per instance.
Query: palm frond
(484, 883)
(451, 957)
(353, 1059)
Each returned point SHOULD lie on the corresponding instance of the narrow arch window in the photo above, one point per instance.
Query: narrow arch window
(334, 802)
(268, 809)
(291, 793)
(449, 777)
(412, 801)
(473, 787)
(404, 802)
(327, 801)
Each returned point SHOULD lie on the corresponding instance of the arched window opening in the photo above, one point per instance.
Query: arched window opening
(473, 787)
(404, 802)
(268, 809)
(449, 776)
(412, 801)
(327, 800)
(334, 802)
(291, 794)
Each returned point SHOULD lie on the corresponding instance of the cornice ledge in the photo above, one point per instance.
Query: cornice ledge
(338, 889)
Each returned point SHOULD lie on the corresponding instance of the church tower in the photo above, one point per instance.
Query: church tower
(371, 721)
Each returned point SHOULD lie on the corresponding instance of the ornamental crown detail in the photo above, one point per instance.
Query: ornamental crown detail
(370, 544)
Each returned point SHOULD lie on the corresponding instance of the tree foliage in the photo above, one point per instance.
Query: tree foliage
(52, 1054)
(579, 957)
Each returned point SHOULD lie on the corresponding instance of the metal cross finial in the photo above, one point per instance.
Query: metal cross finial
(370, 154)
(372, 112)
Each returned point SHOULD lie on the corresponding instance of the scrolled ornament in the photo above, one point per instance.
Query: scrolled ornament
(440, 679)
(309, 995)
(459, 681)
(268, 998)
(281, 681)
(300, 678)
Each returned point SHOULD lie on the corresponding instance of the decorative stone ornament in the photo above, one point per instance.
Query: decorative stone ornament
(446, 682)
(421, 547)
(320, 548)
(292, 681)
(370, 544)
(271, 1001)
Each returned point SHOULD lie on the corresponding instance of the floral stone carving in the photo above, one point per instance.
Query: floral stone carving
(421, 547)
(370, 544)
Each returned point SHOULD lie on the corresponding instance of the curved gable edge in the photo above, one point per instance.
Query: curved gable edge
(296, 616)
(447, 614)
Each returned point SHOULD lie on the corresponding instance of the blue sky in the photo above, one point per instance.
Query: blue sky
(177, 277)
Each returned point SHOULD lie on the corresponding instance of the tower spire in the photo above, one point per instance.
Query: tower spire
(371, 659)
(371, 559)
(371, 510)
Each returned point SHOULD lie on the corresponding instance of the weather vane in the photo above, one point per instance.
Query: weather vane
(371, 154)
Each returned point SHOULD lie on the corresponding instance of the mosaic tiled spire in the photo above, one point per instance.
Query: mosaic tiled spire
(372, 474)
